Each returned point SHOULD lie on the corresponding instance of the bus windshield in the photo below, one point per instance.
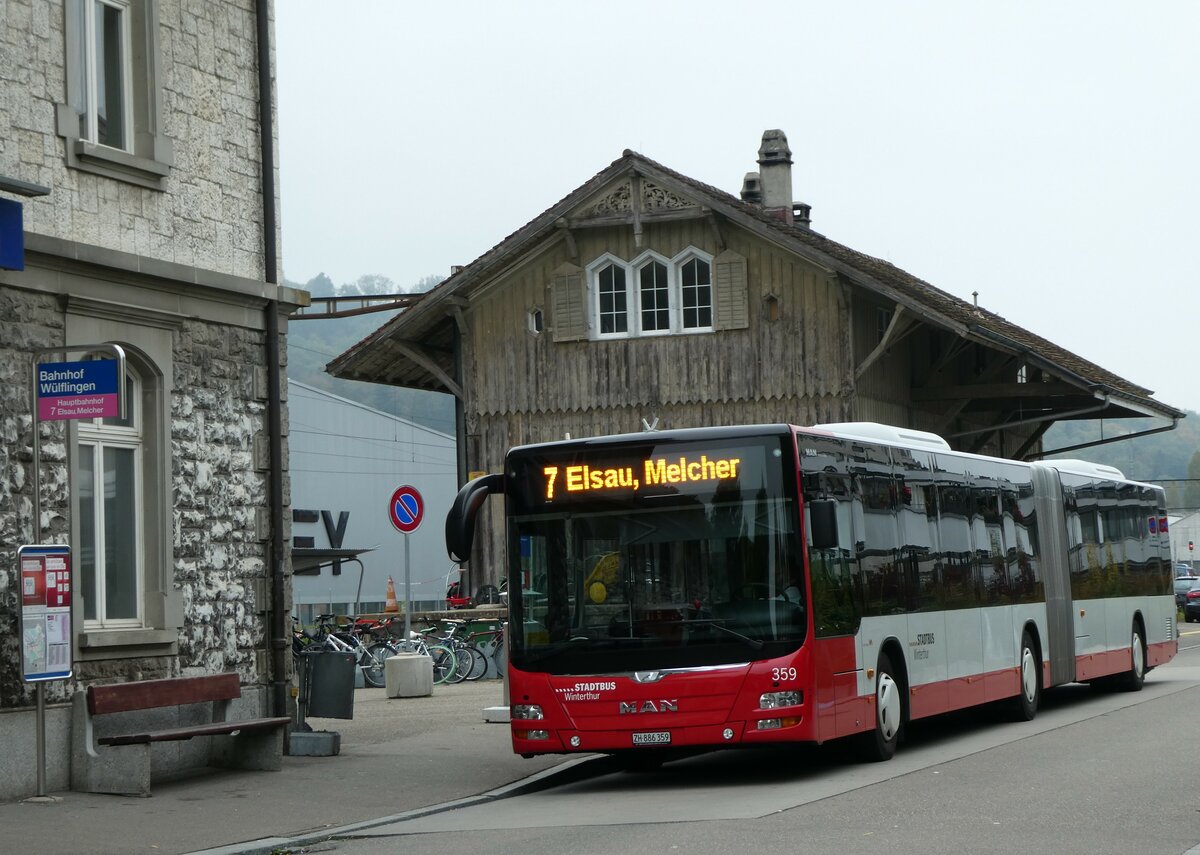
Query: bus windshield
(641, 556)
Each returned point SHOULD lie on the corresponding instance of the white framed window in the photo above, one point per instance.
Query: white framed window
(536, 320)
(696, 293)
(651, 295)
(112, 116)
(104, 75)
(654, 301)
(110, 508)
(612, 298)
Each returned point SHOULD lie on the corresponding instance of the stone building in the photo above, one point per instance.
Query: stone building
(647, 298)
(138, 137)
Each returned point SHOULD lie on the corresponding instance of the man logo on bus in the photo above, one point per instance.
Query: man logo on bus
(629, 707)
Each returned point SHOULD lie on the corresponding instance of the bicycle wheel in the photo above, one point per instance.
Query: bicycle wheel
(443, 662)
(373, 669)
(478, 663)
(500, 656)
(463, 663)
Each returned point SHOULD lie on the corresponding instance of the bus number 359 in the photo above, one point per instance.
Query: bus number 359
(783, 674)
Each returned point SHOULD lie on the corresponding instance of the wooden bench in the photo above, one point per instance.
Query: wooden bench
(116, 725)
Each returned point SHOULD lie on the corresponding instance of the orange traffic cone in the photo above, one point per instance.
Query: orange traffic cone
(391, 605)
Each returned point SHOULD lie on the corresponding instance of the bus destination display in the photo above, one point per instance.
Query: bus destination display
(681, 472)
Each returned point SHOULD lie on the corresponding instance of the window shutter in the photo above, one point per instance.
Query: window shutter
(730, 292)
(568, 302)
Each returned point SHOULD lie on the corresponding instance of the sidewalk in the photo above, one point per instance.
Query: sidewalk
(396, 755)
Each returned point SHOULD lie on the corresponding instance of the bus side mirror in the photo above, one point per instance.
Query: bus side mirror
(460, 522)
(822, 523)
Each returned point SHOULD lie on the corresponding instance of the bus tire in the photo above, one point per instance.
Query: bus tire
(1133, 679)
(1029, 672)
(880, 743)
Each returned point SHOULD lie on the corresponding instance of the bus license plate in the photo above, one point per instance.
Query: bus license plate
(660, 737)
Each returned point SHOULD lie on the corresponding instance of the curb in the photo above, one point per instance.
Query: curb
(575, 769)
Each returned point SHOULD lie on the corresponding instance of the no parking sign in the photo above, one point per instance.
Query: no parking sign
(406, 509)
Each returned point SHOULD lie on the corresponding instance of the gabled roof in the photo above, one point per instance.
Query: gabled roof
(415, 348)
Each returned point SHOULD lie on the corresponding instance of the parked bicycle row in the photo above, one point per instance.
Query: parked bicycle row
(454, 654)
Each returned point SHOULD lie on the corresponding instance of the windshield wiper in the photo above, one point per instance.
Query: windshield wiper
(756, 643)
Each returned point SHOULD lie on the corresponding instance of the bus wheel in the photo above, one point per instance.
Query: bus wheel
(1027, 700)
(880, 744)
(1133, 679)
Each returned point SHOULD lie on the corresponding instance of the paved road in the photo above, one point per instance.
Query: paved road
(1094, 773)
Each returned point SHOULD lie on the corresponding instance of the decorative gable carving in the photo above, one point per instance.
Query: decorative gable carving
(655, 198)
(619, 201)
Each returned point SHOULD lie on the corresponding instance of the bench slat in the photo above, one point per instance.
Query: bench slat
(178, 733)
(148, 694)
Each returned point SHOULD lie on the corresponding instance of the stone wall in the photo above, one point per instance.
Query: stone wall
(219, 484)
(210, 212)
(28, 322)
(219, 488)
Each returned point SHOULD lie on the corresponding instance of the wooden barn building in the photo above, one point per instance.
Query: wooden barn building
(646, 298)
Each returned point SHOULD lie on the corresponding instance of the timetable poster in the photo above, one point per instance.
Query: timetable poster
(45, 612)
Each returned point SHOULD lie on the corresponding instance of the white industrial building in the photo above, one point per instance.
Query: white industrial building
(347, 461)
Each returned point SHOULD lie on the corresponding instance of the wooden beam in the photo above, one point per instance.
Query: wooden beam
(671, 215)
(455, 310)
(565, 230)
(635, 201)
(996, 390)
(1033, 440)
(886, 342)
(950, 415)
(715, 226)
(418, 355)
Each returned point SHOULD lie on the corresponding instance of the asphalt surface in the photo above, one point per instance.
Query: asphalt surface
(397, 756)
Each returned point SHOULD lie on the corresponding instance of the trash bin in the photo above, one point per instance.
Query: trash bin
(329, 683)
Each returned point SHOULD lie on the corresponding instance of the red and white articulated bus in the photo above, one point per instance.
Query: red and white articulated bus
(749, 585)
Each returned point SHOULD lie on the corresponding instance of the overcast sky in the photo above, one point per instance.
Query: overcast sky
(1042, 154)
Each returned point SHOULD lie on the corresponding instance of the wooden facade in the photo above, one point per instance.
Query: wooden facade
(805, 331)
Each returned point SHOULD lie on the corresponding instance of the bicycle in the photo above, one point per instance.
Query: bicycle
(326, 636)
(471, 662)
(497, 652)
(443, 659)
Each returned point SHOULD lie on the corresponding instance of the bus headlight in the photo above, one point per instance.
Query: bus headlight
(532, 734)
(526, 712)
(775, 700)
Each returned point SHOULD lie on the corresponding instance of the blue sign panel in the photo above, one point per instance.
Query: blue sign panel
(78, 390)
(12, 236)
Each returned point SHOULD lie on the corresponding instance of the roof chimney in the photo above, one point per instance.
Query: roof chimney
(775, 168)
(752, 189)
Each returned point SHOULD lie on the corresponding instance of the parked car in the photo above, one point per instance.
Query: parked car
(1183, 584)
(1191, 602)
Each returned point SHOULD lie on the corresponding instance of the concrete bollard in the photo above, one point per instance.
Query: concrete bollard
(408, 675)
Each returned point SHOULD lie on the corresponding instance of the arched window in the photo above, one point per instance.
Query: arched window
(654, 297)
(697, 301)
(613, 299)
